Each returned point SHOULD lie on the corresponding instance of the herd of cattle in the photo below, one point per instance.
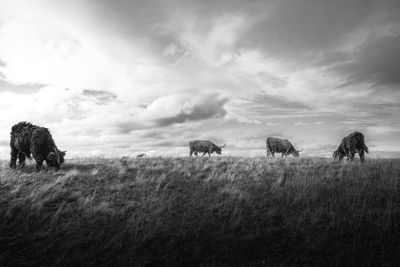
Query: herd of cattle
(27, 139)
(351, 144)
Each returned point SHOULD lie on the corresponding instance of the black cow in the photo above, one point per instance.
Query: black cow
(27, 138)
(351, 144)
(204, 146)
(277, 145)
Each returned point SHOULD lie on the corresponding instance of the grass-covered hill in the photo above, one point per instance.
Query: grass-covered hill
(201, 212)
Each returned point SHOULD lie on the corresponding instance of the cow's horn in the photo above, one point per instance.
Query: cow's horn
(300, 150)
(222, 146)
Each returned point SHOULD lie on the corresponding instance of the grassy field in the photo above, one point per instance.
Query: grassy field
(202, 212)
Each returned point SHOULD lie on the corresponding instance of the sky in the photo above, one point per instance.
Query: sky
(119, 78)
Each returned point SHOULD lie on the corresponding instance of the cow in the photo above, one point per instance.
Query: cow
(142, 155)
(351, 144)
(27, 139)
(277, 145)
(204, 146)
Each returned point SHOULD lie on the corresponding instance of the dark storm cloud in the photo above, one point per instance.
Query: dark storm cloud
(209, 108)
(306, 27)
(332, 58)
(142, 21)
(27, 88)
(376, 62)
(294, 29)
(99, 97)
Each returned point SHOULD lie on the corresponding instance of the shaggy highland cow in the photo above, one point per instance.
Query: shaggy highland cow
(277, 145)
(27, 138)
(351, 144)
(204, 146)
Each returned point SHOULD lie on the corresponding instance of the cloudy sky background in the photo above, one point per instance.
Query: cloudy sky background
(123, 77)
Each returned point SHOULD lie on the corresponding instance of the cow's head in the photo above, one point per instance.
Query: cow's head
(55, 159)
(218, 149)
(295, 152)
(338, 154)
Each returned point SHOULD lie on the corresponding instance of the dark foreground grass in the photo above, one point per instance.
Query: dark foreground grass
(204, 212)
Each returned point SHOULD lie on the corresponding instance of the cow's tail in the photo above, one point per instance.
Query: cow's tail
(365, 148)
(268, 148)
(191, 148)
(363, 144)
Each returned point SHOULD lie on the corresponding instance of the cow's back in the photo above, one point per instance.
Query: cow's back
(356, 141)
(200, 145)
(21, 136)
(276, 144)
(41, 137)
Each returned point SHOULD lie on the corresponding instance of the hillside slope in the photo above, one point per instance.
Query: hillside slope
(218, 211)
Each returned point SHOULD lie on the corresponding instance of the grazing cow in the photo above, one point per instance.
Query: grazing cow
(27, 138)
(277, 145)
(351, 144)
(142, 155)
(204, 146)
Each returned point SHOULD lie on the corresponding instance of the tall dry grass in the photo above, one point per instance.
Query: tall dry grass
(200, 211)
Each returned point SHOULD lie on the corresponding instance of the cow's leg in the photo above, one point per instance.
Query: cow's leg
(37, 155)
(209, 154)
(14, 155)
(361, 154)
(196, 153)
(39, 164)
(352, 153)
(21, 159)
(204, 153)
(191, 153)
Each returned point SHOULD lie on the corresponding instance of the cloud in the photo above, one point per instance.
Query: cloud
(164, 144)
(262, 67)
(248, 121)
(27, 88)
(300, 123)
(180, 108)
(99, 97)
(275, 102)
(295, 29)
(152, 134)
(127, 127)
(376, 62)
(4, 143)
(383, 129)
